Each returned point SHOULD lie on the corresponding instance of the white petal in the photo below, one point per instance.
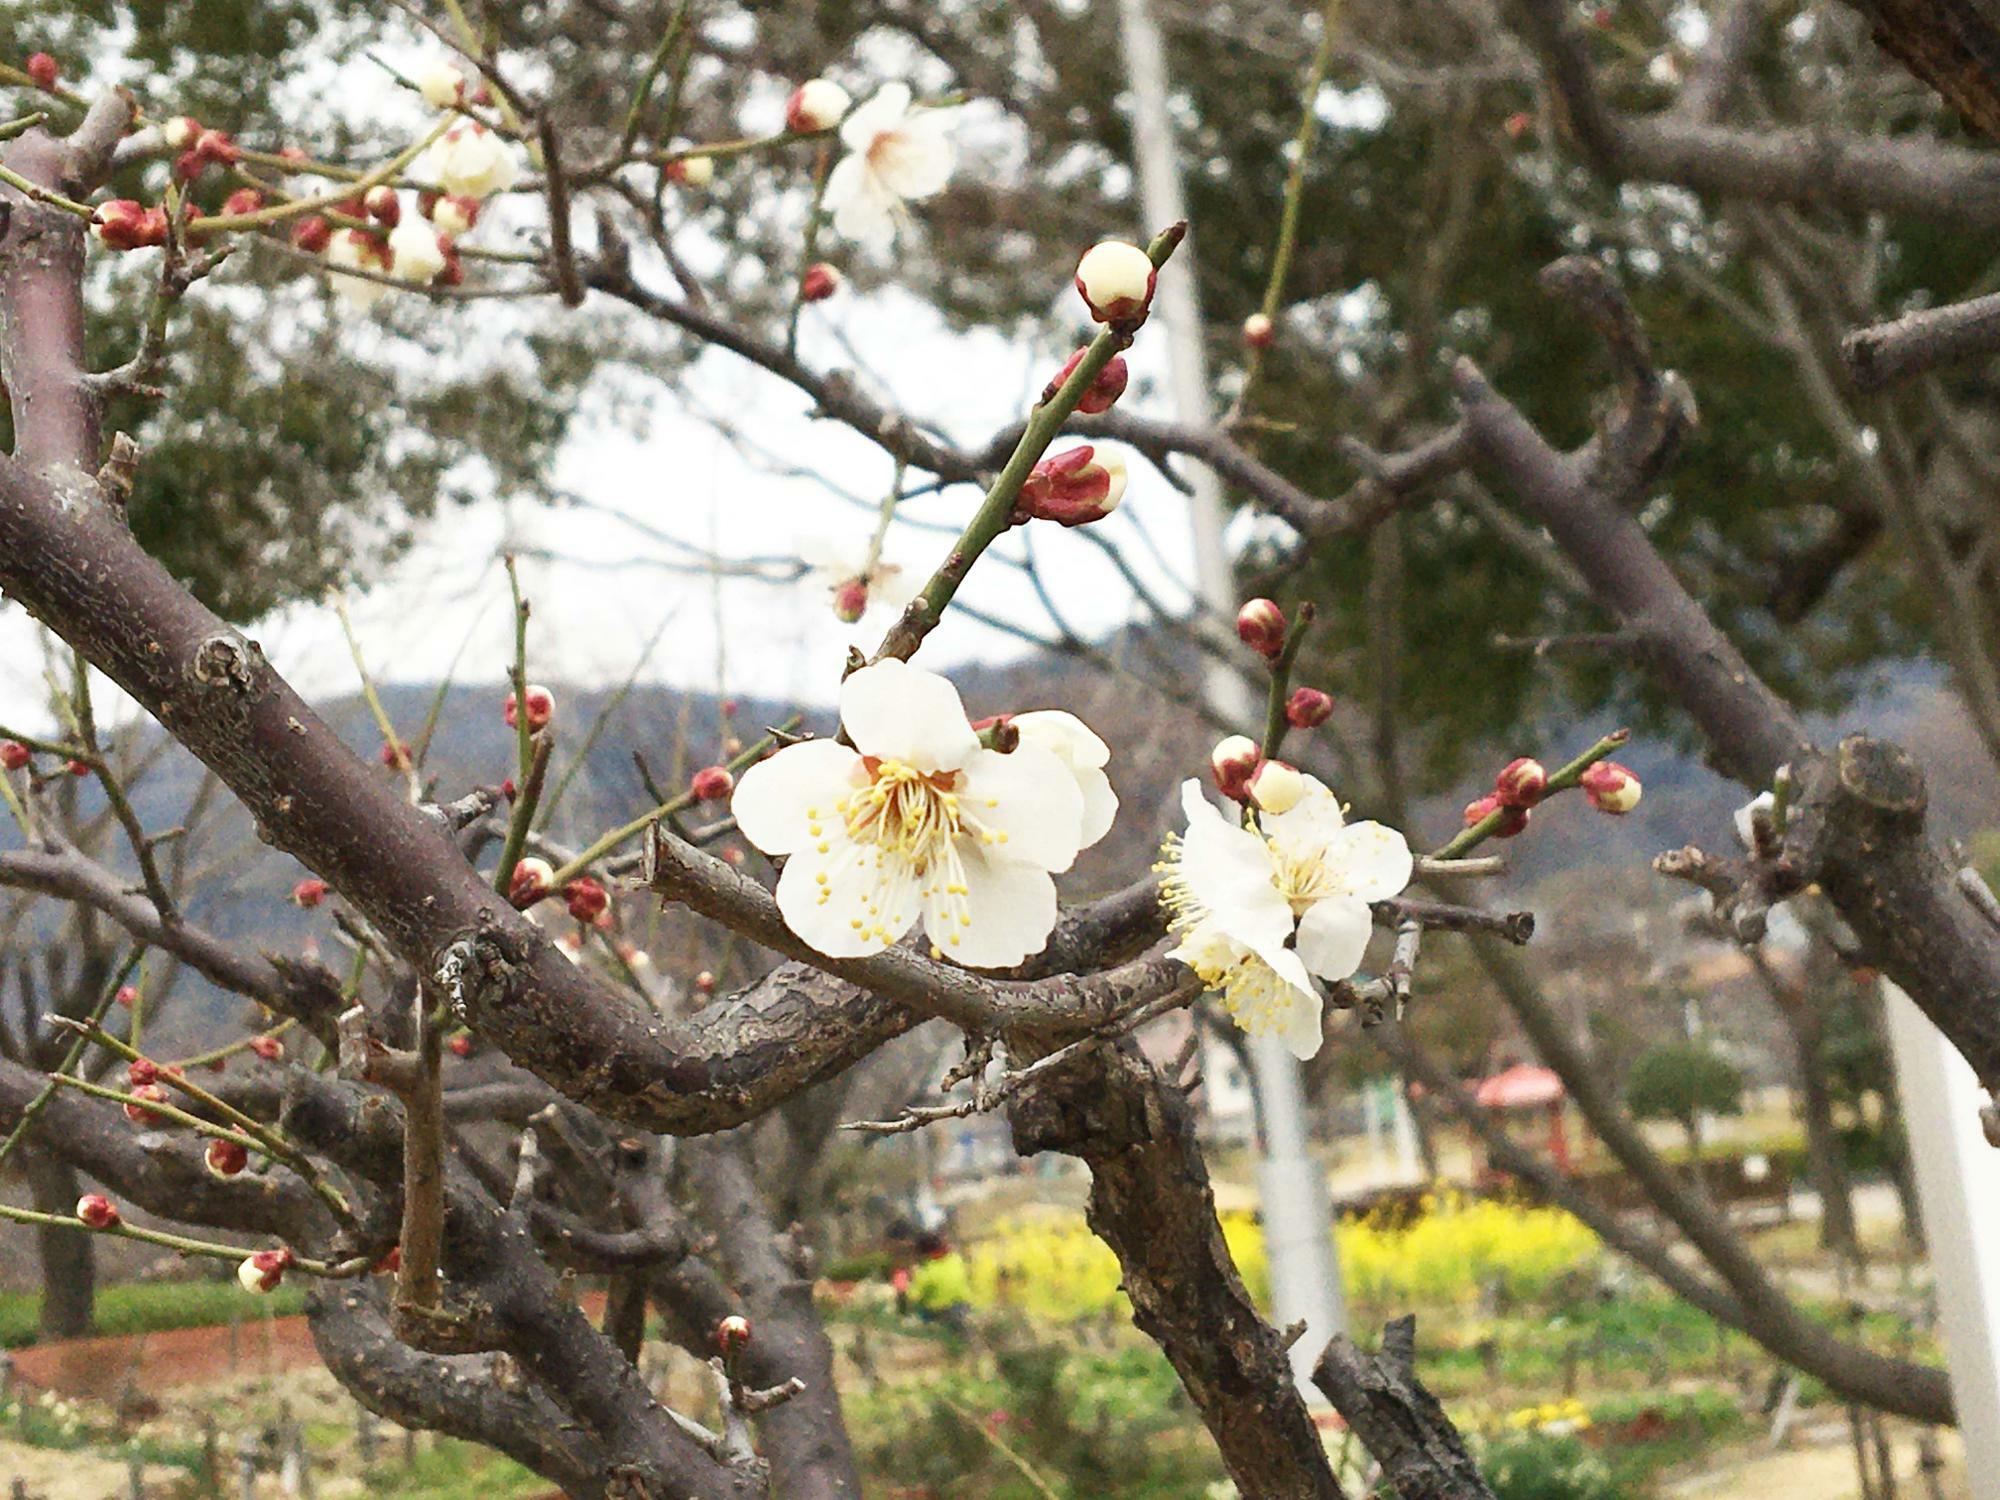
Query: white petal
(1228, 872)
(1028, 803)
(863, 209)
(895, 711)
(1065, 734)
(884, 110)
(1013, 910)
(913, 162)
(1100, 803)
(781, 800)
(1373, 861)
(1333, 935)
(865, 903)
(1303, 1028)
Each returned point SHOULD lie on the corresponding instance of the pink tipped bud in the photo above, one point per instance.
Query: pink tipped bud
(815, 106)
(141, 1071)
(311, 234)
(226, 1158)
(264, 1272)
(461, 1045)
(1610, 787)
(1276, 787)
(1073, 488)
(1260, 625)
(1116, 281)
(691, 171)
(243, 201)
(218, 147)
(454, 215)
(1513, 821)
(127, 996)
(181, 132)
(80, 769)
(587, 900)
(1518, 125)
(541, 709)
(268, 1047)
(820, 282)
(1259, 332)
(144, 1094)
(1103, 392)
(98, 1211)
(123, 224)
(14, 755)
(383, 206)
(532, 880)
(850, 600)
(308, 893)
(43, 70)
(1521, 783)
(1308, 708)
(704, 983)
(732, 1333)
(711, 783)
(1233, 762)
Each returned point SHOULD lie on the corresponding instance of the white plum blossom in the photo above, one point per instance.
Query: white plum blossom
(855, 581)
(414, 251)
(894, 154)
(441, 84)
(1260, 911)
(471, 160)
(917, 821)
(359, 250)
(1073, 742)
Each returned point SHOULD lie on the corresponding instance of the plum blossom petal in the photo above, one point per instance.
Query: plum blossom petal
(894, 711)
(783, 802)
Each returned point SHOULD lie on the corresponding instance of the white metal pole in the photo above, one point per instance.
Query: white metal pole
(1298, 1227)
(1958, 1189)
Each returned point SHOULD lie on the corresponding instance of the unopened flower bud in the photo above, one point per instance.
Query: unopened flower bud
(1276, 787)
(181, 132)
(383, 206)
(711, 783)
(1074, 488)
(692, 171)
(1521, 783)
(308, 893)
(732, 1333)
(1102, 393)
(394, 753)
(243, 201)
(586, 898)
(43, 70)
(1514, 819)
(1116, 281)
(461, 1045)
(704, 983)
(1259, 332)
(98, 1211)
(124, 224)
(80, 769)
(14, 755)
(454, 215)
(127, 996)
(472, 160)
(268, 1047)
(265, 1271)
(140, 1071)
(733, 857)
(815, 105)
(1234, 762)
(850, 600)
(225, 1158)
(1308, 708)
(416, 251)
(1610, 787)
(532, 879)
(144, 1094)
(820, 282)
(1518, 124)
(541, 708)
(441, 84)
(217, 147)
(311, 233)
(1260, 625)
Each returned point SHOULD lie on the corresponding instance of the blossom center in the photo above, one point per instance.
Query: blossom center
(913, 814)
(1302, 878)
(1257, 997)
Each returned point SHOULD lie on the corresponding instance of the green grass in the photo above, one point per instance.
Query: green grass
(455, 1471)
(152, 1306)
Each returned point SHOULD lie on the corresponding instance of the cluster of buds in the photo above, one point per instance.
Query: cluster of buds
(14, 756)
(1261, 626)
(541, 709)
(816, 105)
(264, 1272)
(1116, 281)
(1521, 784)
(98, 1211)
(1610, 787)
(126, 224)
(1074, 488)
(308, 893)
(820, 282)
(43, 72)
(1103, 392)
(711, 784)
(226, 1158)
(1243, 774)
(587, 899)
(532, 880)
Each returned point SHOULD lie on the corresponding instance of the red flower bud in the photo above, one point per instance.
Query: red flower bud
(14, 755)
(1260, 625)
(216, 146)
(394, 754)
(541, 709)
(850, 601)
(123, 224)
(1521, 783)
(1610, 787)
(264, 1271)
(587, 899)
(43, 70)
(150, 1093)
(1073, 488)
(1478, 812)
(127, 996)
(141, 1071)
(509, 790)
(308, 893)
(383, 206)
(1517, 125)
(704, 983)
(711, 783)
(243, 201)
(815, 105)
(311, 234)
(1233, 762)
(98, 1211)
(226, 1158)
(80, 769)
(532, 880)
(268, 1047)
(732, 1333)
(1102, 393)
(461, 1045)
(453, 273)
(1308, 708)
(820, 282)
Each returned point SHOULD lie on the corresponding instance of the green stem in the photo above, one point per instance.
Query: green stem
(353, 1266)
(40, 1102)
(1560, 780)
(1276, 724)
(639, 95)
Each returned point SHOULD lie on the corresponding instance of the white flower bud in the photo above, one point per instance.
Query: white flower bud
(472, 160)
(441, 84)
(816, 105)
(414, 251)
(1115, 280)
(1276, 787)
